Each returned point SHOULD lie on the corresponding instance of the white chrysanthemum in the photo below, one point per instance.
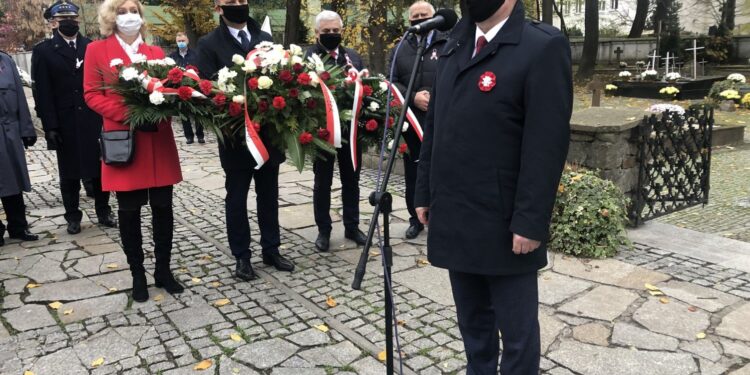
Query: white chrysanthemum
(650, 72)
(155, 62)
(225, 74)
(316, 63)
(737, 77)
(156, 98)
(139, 58)
(297, 60)
(390, 145)
(661, 108)
(314, 79)
(129, 74)
(239, 99)
(673, 76)
(383, 87)
(264, 82)
(405, 128)
(170, 61)
(624, 74)
(295, 50)
(249, 67)
(374, 106)
(265, 46)
(115, 62)
(238, 59)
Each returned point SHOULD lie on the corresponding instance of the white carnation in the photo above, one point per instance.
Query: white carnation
(139, 58)
(390, 145)
(297, 60)
(239, 99)
(383, 87)
(249, 67)
(238, 59)
(405, 128)
(170, 61)
(225, 74)
(156, 98)
(295, 50)
(116, 62)
(129, 74)
(264, 82)
(374, 106)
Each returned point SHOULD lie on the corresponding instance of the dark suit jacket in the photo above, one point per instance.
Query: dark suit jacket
(57, 71)
(215, 51)
(348, 57)
(191, 58)
(491, 162)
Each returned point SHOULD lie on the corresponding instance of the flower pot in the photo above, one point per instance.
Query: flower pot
(727, 106)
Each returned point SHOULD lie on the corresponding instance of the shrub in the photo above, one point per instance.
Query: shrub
(746, 101)
(590, 216)
(719, 87)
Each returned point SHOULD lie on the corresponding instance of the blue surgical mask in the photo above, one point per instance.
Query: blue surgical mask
(181, 45)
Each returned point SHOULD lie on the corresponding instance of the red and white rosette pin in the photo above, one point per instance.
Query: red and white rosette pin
(487, 82)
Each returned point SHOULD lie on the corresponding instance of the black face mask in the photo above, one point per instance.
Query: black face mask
(417, 22)
(236, 13)
(481, 10)
(330, 41)
(68, 28)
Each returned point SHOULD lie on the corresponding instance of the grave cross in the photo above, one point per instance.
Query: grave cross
(653, 57)
(695, 57)
(702, 63)
(596, 86)
(666, 65)
(618, 52)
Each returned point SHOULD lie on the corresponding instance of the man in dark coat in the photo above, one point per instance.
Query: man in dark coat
(184, 56)
(418, 12)
(328, 27)
(496, 140)
(16, 133)
(239, 34)
(71, 128)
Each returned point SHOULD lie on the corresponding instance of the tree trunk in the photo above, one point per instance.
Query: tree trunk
(590, 41)
(378, 14)
(660, 14)
(293, 24)
(639, 22)
(562, 20)
(190, 31)
(547, 11)
(730, 8)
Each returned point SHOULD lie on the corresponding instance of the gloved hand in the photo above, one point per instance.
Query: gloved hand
(54, 140)
(28, 141)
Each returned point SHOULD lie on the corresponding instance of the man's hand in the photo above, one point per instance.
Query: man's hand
(422, 100)
(522, 245)
(54, 140)
(423, 214)
(28, 141)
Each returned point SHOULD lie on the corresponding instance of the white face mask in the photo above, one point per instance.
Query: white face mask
(129, 24)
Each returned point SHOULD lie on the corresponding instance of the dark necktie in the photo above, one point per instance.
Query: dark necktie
(72, 44)
(481, 43)
(244, 40)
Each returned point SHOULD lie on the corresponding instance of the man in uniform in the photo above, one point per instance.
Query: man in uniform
(328, 28)
(70, 127)
(239, 34)
(185, 56)
(418, 13)
(496, 140)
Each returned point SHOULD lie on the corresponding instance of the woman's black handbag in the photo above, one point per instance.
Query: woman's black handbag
(117, 147)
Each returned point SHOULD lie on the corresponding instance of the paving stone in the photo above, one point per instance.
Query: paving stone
(4, 334)
(431, 282)
(89, 308)
(736, 349)
(555, 288)
(29, 317)
(296, 217)
(672, 319)
(703, 348)
(189, 369)
(12, 301)
(592, 359)
(104, 248)
(229, 367)
(550, 327)
(735, 324)
(298, 371)
(368, 366)
(592, 333)
(265, 354)
(194, 317)
(603, 302)
(64, 359)
(120, 280)
(705, 298)
(72, 290)
(14, 286)
(46, 270)
(629, 335)
(607, 271)
(711, 368)
(106, 344)
(310, 337)
(743, 371)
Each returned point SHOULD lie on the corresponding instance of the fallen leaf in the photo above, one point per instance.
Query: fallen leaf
(700, 335)
(374, 253)
(650, 287)
(331, 302)
(656, 292)
(235, 337)
(67, 312)
(402, 323)
(97, 362)
(183, 270)
(577, 177)
(322, 328)
(382, 356)
(235, 370)
(27, 372)
(197, 280)
(159, 297)
(423, 262)
(664, 300)
(692, 309)
(113, 289)
(215, 284)
(55, 305)
(207, 257)
(630, 118)
(112, 266)
(222, 302)
(203, 365)
(32, 285)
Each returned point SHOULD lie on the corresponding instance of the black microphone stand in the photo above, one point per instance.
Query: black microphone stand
(382, 200)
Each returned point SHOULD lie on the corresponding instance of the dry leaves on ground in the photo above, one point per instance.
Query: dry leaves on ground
(331, 302)
(55, 305)
(203, 365)
(222, 302)
(322, 328)
(235, 337)
(97, 362)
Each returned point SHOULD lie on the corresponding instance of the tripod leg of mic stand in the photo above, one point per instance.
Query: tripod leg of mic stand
(388, 259)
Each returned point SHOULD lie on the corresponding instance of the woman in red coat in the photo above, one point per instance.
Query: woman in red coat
(155, 167)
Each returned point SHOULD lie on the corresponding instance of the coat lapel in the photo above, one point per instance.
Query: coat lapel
(115, 51)
(62, 48)
(509, 34)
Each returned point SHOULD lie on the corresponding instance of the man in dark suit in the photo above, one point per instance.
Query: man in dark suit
(239, 34)
(184, 56)
(496, 139)
(70, 127)
(418, 12)
(328, 27)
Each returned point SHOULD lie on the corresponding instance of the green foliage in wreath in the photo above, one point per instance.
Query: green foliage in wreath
(590, 216)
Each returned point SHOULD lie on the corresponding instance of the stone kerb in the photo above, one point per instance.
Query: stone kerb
(605, 139)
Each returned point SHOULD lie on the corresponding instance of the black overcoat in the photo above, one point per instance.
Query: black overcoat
(15, 124)
(57, 71)
(491, 161)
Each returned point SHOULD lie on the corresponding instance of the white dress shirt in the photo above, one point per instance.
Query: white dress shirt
(130, 49)
(236, 33)
(490, 34)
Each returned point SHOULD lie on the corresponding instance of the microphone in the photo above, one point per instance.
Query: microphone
(443, 20)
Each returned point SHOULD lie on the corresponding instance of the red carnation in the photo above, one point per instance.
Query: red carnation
(252, 83)
(371, 125)
(367, 90)
(256, 126)
(206, 87)
(304, 79)
(262, 106)
(305, 138)
(286, 76)
(185, 93)
(403, 148)
(298, 68)
(220, 99)
(323, 133)
(325, 76)
(175, 75)
(235, 109)
(311, 104)
(191, 67)
(395, 104)
(391, 121)
(279, 103)
(293, 93)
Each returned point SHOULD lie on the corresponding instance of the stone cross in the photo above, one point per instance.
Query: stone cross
(596, 86)
(695, 57)
(618, 52)
(653, 57)
(702, 63)
(666, 65)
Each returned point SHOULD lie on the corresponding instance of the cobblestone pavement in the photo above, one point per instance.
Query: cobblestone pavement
(597, 317)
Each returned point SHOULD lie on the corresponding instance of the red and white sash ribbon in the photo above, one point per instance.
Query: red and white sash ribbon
(359, 96)
(333, 122)
(410, 117)
(254, 143)
(152, 84)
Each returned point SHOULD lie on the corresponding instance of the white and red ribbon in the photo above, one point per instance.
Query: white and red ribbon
(152, 84)
(359, 96)
(410, 117)
(254, 143)
(333, 122)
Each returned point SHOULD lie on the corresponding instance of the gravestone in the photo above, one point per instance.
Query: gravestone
(619, 52)
(596, 86)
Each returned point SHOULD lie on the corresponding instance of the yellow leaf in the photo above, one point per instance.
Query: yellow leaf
(215, 284)
(664, 300)
(67, 312)
(197, 280)
(655, 292)
(235, 370)
(112, 266)
(382, 356)
(700, 335)
(322, 328)
(650, 287)
(207, 257)
(32, 285)
(401, 323)
(331, 302)
(374, 253)
(235, 337)
(112, 289)
(577, 177)
(561, 188)
(55, 305)
(97, 362)
(27, 372)
(203, 365)
(222, 302)
(158, 297)
(423, 262)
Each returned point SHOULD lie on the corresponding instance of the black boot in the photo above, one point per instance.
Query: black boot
(2, 233)
(163, 223)
(132, 245)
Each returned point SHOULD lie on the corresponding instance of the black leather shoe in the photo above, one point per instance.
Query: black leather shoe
(140, 288)
(278, 261)
(108, 220)
(244, 270)
(414, 231)
(356, 235)
(24, 236)
(74, 227)
(323, 241)
(2, 240)
(190, 141)
(201, 140)
(167, 281)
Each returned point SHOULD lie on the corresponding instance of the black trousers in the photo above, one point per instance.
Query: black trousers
(162, 224)
(71, 188)
(15, 212)
(267, 198)
(486, 304)
(187, 127)
(158, 197)
(411, 163)
(323, 169)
